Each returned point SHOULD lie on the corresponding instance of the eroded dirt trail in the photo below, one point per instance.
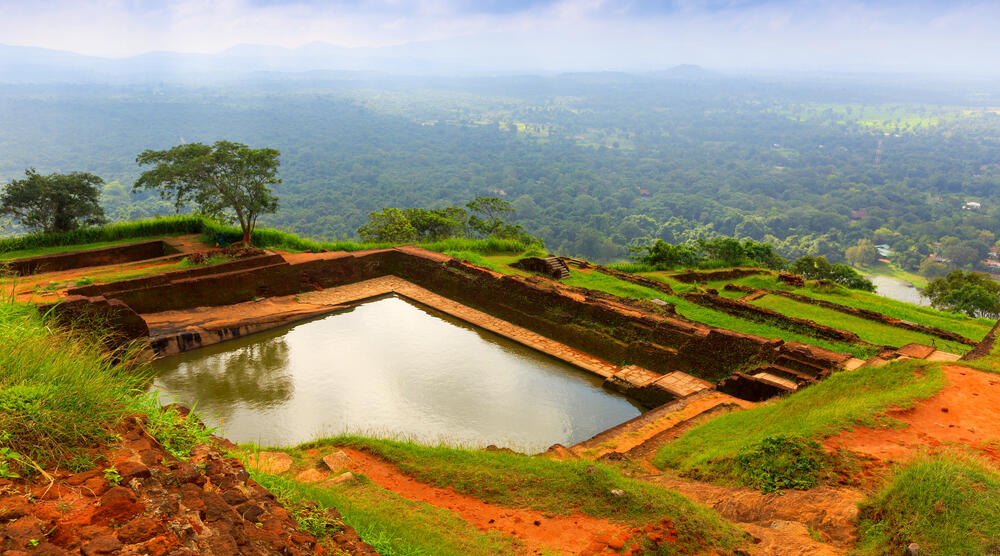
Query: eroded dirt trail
(576, 534)
(784, 523)
(963, 412)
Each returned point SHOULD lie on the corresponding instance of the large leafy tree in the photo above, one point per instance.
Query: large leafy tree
(972, 293)
(223, 180)
(54, 203)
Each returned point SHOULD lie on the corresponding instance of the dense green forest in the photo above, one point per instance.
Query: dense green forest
(592, 163)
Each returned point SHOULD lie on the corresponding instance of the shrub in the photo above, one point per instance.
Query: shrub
(781, 462)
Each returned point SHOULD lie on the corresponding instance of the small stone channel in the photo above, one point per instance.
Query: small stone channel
(390, 367)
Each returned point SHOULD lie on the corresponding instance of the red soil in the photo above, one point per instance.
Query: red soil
(575, 534)
(963, 412)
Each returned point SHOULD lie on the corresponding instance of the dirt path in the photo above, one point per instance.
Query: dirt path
(784, 523)
(963, 412)
(576, 534)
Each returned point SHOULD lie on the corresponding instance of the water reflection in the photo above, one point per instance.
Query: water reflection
(394, 368)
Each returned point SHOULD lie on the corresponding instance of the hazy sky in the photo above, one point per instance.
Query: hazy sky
(854, 35)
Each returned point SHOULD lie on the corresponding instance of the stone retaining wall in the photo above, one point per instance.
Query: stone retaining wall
(168, 277)
(95, 257)
(713, 276)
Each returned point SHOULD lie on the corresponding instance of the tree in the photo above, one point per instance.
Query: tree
(861, 255)
(54, 203)
(972, 293)
(388, 226)
(220, 178)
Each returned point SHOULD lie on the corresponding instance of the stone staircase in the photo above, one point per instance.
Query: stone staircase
(557, 268)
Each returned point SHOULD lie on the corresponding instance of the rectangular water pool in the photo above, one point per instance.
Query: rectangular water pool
(392, 368)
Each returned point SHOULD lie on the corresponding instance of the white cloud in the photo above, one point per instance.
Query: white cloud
(567, 34)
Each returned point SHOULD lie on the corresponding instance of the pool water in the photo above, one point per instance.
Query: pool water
(390, 368)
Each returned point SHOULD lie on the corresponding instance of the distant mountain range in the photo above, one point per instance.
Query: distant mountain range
(23, 64)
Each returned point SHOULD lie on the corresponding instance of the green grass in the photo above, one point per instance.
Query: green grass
(598, 281)
(55, 249)
(840, 402)
(948, 504)
(545, 485)
(971, 328)
(57, 393)
(61, 392)
(867, 330)
(162, 226)
(392, 524)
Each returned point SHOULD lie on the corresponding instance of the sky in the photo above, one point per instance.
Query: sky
(851, 35)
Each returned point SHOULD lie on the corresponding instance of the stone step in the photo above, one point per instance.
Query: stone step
(797, 378)
(801, 365)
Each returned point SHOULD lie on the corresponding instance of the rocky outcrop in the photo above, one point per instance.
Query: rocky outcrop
(95, 257)
(142, 500)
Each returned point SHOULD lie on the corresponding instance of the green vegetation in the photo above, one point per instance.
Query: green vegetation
(817, 268)
(393, 525)
(842, 401)
(485, 218)
(868, 330)
(54, 203)
(970, 328)
(61, 392)
(56, 249)
(591, 163)
(58, 394)
(780, 462)
(708, 253)
(30, 245)
(972, 293)
(545, 485)
(224, 180)
(705, 315)
(160, 226)
(948, 504)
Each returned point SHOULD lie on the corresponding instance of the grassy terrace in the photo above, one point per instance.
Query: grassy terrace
(505, 479)
(970, 328)
(868, 330)
(705, 315)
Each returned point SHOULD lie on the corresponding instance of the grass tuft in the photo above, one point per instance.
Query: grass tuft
(948, 504)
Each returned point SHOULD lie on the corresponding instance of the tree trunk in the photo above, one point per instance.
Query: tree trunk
(247, 232)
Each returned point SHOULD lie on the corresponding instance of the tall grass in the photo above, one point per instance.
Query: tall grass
(58, 392)
(165, 225)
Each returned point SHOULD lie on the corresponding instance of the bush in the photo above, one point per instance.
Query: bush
(781, 462)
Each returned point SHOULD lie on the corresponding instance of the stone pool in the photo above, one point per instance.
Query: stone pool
(394, 368)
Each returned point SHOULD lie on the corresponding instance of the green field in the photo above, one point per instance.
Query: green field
(868, 330)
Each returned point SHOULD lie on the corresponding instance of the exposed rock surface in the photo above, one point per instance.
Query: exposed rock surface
(158, 505)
